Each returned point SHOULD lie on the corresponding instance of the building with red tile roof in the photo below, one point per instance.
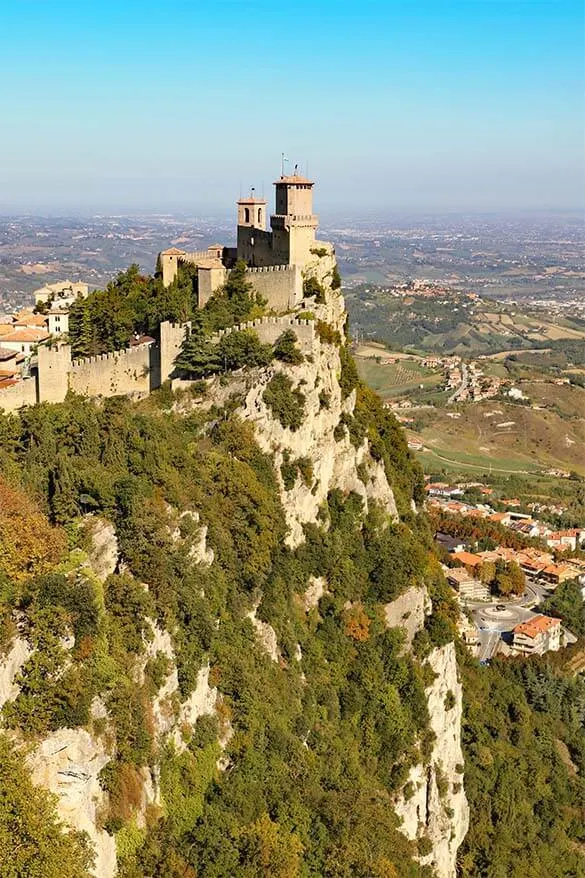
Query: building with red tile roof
(537, 635)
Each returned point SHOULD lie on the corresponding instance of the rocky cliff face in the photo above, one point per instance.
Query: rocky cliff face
(432, 804)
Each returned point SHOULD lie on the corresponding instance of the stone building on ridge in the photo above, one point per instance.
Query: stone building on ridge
(277, 259)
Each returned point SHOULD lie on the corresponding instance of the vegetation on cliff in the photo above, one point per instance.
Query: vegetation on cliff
(524, 745)
(321, 738)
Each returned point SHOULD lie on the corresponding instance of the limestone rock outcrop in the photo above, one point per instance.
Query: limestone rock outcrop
(10, 665)
(433, 804)
(408, 612)
(68, 763)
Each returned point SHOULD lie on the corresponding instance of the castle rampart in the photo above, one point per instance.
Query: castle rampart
(269, 329)
(133, 371)
(119, 373)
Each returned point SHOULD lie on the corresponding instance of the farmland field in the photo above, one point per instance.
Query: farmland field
(393, 379)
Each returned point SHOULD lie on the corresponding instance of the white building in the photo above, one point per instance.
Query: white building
(65, 291)
(537, 636)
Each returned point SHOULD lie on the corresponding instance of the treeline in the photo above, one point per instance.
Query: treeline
(481, 532)
(524, 744)
(134, 303)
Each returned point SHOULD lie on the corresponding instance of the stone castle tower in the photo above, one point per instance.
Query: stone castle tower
(293, 225)
(286, 248)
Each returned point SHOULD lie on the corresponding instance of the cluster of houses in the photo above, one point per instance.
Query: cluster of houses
(535, 635)
(470, 383)
(21, 333)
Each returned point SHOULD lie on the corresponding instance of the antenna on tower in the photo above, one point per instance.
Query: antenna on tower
(283, 160)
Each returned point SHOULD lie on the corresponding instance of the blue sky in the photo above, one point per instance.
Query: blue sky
(416, 104)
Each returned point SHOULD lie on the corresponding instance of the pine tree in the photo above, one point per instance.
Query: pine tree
(62, 490)
(199, 357)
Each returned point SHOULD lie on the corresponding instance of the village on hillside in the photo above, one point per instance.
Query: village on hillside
(529, 556)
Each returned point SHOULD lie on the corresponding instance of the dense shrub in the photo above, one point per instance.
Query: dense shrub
(312, 287)
(286, 404)
(286, 350)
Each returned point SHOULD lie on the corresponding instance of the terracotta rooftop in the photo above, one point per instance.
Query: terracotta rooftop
(459, 574)
(31, 320)
(6, 353)
(251, 199)
(26, 335)
(537, 625)
(141, 339)
(468, 558)
(172, 251)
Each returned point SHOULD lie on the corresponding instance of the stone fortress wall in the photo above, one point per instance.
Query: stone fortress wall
(268, 330)
(134, 371)
(277, 260)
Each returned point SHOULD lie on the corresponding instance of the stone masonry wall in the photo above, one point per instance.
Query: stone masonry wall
(135, 370)
(280, 285)
(268, 329)
(18, 395)
(121, 372)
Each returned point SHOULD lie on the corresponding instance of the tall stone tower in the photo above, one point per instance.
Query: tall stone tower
(253, 239)
(294, 223)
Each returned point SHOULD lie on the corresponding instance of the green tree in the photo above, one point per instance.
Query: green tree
(238, 349)
(198, 357)
(63, 490)
(286, 350)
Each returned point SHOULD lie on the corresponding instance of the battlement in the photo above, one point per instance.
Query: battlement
(194, 256)
(111, 356)
(268, 330)
(264, 268)
(132, 371)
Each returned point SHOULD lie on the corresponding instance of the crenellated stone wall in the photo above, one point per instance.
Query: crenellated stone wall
(280, 285)
(269, 329)
(118, 373)
(17, 395)
(133, 371)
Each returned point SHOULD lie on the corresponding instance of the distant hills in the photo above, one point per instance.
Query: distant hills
(438, 320)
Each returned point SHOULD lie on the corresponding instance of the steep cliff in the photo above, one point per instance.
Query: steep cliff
(251, 661)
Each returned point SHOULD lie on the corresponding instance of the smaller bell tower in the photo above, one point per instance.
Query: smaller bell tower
(252, 229)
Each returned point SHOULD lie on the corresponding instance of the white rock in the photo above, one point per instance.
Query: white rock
(10, 666)
(104, 553)
(444, 820)
(408, 612)
(314, 593)
(68, 763)
(266, 635)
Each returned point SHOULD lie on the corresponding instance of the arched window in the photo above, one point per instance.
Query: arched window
(259, 214)
(247, 214)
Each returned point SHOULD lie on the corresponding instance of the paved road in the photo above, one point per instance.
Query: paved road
(491, 623)
(462, 386)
